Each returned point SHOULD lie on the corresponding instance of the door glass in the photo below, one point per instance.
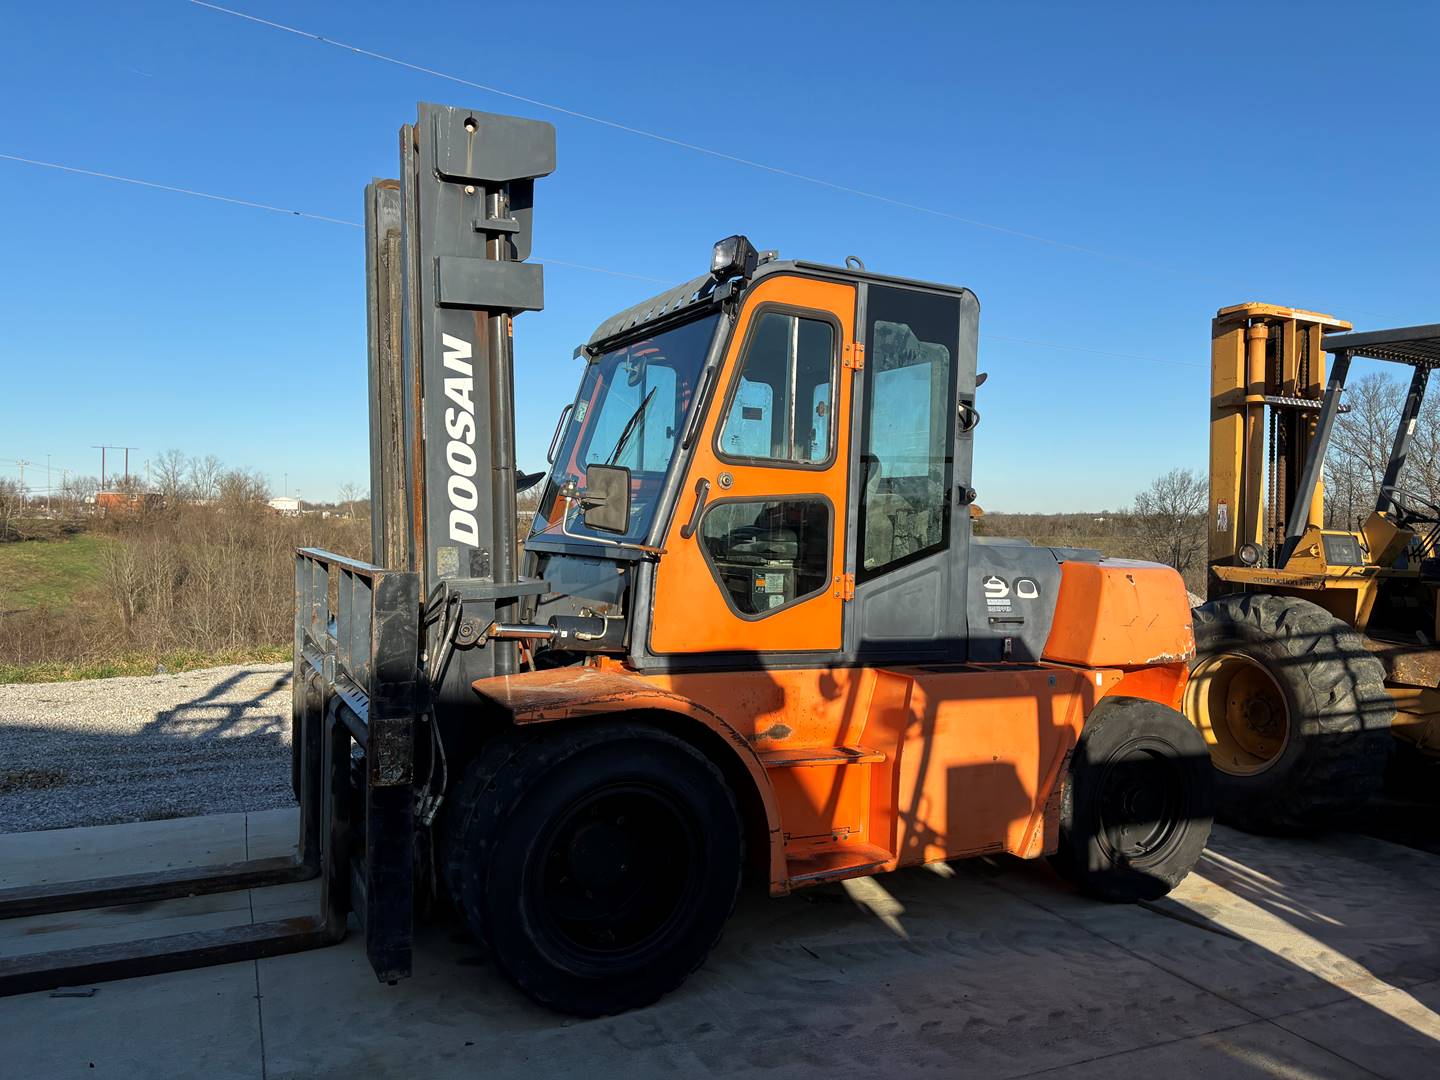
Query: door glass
(780, 410)
(768, 553)
(906, 456)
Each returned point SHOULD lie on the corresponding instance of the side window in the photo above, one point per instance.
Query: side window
(767, 553)
(780, 408)
(906, 456)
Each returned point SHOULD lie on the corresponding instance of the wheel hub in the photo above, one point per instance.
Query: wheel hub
(615, 872)
(1241, 710)
(1139, 804)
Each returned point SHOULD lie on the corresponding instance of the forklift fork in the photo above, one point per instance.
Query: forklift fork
(357, 683)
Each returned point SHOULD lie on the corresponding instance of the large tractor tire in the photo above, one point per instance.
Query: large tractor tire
(1137, 802)
(599, 863)
(1293, 708)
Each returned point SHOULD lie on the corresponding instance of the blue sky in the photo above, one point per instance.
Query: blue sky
(1202, 155)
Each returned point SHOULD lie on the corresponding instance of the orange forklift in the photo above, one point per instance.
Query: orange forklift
(749, 633)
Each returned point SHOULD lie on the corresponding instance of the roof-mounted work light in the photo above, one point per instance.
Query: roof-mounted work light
(734, 256)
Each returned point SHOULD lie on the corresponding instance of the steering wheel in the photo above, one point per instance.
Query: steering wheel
(1404, 503)
(1414, 511)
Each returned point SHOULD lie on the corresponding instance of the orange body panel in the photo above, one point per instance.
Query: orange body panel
(691, 614)
(864, 769)
(1120, 614)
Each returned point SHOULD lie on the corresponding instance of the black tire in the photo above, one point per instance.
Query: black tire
(599, 863)
(1137, 802)
(461, 803)
(1336, 739)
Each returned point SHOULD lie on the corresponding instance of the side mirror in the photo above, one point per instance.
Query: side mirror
(607, 498)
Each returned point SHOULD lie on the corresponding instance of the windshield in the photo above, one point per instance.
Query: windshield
(631, 409)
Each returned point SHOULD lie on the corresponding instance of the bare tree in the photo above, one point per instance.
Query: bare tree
(349, 496)
(204, 477)
(76, 492)
(1422, 468)
(12, 505)
(169, 471)
(1169, 519)
(1360, 448)
(527, 504)
(239, 486)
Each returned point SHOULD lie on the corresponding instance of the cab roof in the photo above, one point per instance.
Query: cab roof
(704, 291)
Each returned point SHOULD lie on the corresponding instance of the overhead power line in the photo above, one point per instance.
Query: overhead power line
(177, 190)
(289, 212)
(723, 155)
(252, 204)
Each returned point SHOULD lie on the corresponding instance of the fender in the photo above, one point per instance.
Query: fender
(1120, 614)
(568, 693)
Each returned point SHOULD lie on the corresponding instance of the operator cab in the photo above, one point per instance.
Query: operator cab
(775, 458)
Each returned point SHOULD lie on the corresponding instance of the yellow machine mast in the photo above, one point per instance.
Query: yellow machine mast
(1267, 387)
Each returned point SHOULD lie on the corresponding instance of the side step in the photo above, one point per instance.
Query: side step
(802, 756)
(835, 862)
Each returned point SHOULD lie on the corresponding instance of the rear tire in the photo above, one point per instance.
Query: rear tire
(599, 863)
(1137, 802)
(1318, 750)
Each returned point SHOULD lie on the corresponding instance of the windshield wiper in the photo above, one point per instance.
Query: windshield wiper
(630, 426)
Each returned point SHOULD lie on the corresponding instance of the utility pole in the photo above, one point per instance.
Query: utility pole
(47, 483)
(24, 495)
(102, 450)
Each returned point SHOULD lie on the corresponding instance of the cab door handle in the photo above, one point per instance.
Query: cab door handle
(702, 492)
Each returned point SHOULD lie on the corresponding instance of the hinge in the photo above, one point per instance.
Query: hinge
(845, 587)
(855, 356)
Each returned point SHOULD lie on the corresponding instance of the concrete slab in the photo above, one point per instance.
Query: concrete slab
(200, 1023)
(1292, 924)
(74, 929)
(1250, 1052)
(1305, 959)
(269, 833)
(1396, 1034)
(943, 974)
(37, 858)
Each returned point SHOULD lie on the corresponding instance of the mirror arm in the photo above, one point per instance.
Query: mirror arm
(570, 500)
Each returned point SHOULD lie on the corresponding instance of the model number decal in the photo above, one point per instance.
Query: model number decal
(999, 592)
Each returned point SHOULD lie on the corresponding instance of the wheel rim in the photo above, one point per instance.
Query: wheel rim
(1141, 804)
(1241, 710)
(617, 872)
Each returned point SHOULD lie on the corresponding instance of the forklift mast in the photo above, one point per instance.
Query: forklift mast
(446, 268)
(1267, 394)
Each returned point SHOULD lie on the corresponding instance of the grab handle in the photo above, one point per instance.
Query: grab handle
(702, 492)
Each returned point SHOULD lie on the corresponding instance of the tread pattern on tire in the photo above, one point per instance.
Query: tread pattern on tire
(1347, 738)
(495, 783)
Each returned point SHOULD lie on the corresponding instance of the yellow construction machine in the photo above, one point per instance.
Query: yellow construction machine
(1319, 638)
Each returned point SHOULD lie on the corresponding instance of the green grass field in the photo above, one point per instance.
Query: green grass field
(48, 573)
(139, 664)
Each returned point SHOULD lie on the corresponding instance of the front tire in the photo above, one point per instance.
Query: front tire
(1137, 802)
(600, 864)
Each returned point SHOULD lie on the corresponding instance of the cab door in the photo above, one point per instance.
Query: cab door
(755, 552)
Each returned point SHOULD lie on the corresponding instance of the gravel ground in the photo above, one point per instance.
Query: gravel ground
(136, 749)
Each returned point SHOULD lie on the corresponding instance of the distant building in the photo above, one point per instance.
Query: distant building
(286, 504)
(128, 502)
